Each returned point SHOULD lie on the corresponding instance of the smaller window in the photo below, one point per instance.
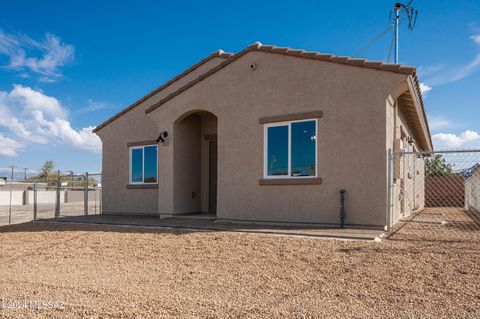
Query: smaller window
(143, 164)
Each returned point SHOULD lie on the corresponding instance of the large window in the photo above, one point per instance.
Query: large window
(291, 149)
(143, 164)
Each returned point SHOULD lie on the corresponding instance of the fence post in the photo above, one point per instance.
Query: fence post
(10, 202)
(389, 212)
(35, 201)
(85, 194)
(95, 200)
(57, 198)
(100, 194)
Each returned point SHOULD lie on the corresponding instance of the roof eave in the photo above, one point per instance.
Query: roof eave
(216, 54)
(414, 89)
(257, 46)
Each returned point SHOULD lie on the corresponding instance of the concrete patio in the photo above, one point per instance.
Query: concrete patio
(208, 223)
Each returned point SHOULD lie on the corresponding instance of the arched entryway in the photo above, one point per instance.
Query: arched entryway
(195, 163)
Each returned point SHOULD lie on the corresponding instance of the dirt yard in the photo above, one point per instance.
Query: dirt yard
(112, 272)
(24, 213)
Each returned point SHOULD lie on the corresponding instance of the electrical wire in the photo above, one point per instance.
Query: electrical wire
(409, 12)
(373, 41)
(391, 47)
(379, 37)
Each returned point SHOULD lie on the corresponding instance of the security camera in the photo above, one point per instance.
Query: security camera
(162, 137)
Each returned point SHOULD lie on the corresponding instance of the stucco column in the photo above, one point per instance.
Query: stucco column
(165, 175)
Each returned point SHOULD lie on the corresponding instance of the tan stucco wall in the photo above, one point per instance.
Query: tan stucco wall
(409, 188)
(351, 138)
(134, 126)
(472, 192)
(209, 127)
(186, 165)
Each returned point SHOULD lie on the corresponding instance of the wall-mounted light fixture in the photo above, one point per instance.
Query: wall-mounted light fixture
(162, 138)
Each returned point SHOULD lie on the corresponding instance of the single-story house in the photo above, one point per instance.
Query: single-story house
(269, 134)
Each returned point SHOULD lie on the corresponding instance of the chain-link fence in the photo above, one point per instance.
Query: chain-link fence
(434, 195)
(26, 199)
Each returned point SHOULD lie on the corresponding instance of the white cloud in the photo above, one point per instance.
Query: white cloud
(36, 101)
(439, 123)
(476, 38)
(38, 118)
(467, 139)
(8, 147)
(94, 106)
(425, 71)
(44, 58)
(438, 75)
(425, 88)
(83, 138)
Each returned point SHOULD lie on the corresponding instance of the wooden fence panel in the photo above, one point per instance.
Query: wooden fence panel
(445, 191)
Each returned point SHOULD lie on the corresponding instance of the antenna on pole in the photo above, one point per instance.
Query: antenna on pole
(405, 11)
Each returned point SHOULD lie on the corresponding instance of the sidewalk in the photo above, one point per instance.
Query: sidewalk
(210, 224)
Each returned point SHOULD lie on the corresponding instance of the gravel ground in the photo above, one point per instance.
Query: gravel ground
(24, 213)
(112, 272)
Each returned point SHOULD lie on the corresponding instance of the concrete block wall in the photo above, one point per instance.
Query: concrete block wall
(17, 198)
(472, 193)
(47, 197)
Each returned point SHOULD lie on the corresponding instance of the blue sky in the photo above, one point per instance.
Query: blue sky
(67, 66)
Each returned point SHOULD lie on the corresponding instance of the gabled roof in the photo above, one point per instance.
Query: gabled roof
(311, 55)
(414, 101)
(410, 71)
(216, 54)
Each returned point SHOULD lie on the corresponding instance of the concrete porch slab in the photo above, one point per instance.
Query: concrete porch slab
(203, 224)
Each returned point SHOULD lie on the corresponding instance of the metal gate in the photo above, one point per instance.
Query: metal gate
(65, 195)
(82, 195)
(434, 195)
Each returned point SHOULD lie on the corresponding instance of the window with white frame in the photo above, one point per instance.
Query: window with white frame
(143, 164)
(290, 149)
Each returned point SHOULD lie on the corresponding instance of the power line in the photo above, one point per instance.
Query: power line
(391, 47)
(373, 41)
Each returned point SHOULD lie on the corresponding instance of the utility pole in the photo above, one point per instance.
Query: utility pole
(26, 173)
(396, 9)
(398, 15)
(12, 173)
(406, 11)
